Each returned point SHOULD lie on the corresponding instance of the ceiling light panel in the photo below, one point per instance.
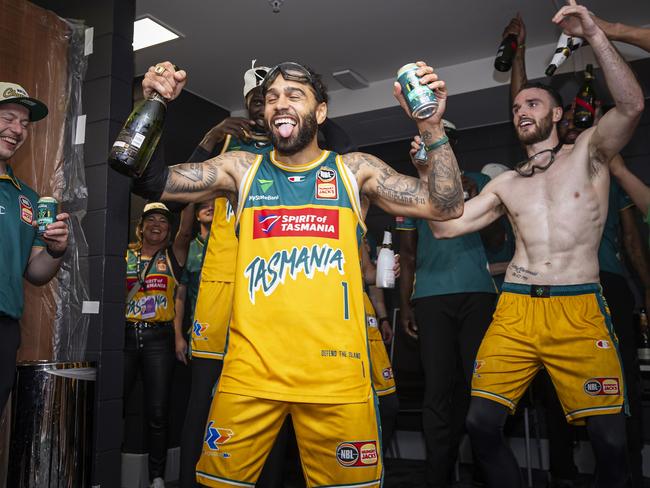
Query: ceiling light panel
(148, 31)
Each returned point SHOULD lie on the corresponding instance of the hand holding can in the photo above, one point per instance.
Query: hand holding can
(420, 92)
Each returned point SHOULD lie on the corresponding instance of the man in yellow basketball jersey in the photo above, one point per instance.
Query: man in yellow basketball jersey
(297, 341)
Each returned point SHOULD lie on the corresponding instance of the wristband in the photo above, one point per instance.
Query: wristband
(55, 254)
(443, 140)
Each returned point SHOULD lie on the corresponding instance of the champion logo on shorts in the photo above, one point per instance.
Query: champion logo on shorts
(602, 344)
(387, 373)
(357, 454)
(216, 436)
(602, 386)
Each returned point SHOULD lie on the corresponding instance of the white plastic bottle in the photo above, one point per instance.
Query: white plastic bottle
(386, 263)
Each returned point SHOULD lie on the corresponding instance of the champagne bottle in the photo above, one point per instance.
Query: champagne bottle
(506, 53)
(386, 263)
(565, 46)
(585, 102)
(139, 137)
(643, 348)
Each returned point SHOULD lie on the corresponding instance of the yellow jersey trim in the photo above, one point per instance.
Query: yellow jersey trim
(353, 191)
(246, 184)
(301, 167)
(226, 143)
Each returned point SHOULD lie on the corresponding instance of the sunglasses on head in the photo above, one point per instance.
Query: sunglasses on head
(291, 72)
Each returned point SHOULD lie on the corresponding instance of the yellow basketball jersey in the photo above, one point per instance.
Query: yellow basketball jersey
(221, 253)
(154, 301)
(298, 329)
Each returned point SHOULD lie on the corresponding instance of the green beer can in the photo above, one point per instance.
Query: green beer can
(46, 211)
(420, 98)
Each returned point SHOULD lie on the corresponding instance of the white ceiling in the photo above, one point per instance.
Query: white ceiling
(373, 37)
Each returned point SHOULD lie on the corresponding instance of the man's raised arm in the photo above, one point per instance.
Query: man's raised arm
(438, 193)
(617, 126)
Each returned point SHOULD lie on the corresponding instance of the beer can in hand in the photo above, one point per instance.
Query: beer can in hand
(46, 211)
(420, 98)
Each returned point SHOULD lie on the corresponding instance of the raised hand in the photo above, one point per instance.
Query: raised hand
(164, 79)
(518, 28)
(576, 20)
(430, 78)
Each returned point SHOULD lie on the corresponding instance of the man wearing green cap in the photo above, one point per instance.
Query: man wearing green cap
(22, 252)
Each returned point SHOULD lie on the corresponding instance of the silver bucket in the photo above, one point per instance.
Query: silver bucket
(51, 426)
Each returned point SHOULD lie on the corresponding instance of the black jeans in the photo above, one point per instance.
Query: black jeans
(151, 352)
(451, 328)
(10, 333)
(205, 373)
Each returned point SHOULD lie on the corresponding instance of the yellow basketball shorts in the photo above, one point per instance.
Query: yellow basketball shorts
(565, 329)
(382, 372)
(211, 319)
(339, 444)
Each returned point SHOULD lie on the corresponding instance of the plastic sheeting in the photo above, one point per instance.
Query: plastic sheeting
(45, 54)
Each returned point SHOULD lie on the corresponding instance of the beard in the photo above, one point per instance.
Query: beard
(542, 131)
(296, 142)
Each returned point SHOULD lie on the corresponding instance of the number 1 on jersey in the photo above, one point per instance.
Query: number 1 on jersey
(346, 304)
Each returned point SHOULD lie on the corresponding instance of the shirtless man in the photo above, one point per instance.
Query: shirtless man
(552, 313)
(297, 339)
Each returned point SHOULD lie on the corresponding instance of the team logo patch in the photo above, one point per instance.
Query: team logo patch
(296, 222)
(602, 386)
(296, 179)
(601, 344)
(199, 328)
(357, 454)
(387, 373)
(265, 184)
(161, 265)
(371, 321)
(478, 364)
(26, 209)
(216, 436)
(326, 184)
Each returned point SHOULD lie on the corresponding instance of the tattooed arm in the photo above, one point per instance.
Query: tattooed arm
(480, 212)
(437, 196)
(219, 176)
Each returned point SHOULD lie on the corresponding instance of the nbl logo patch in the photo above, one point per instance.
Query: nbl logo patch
(26, 209)
(326, 184)
(357, 454)
(602, 386)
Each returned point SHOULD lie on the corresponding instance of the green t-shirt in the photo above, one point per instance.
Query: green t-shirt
(17, 238)
(609, 252)
(191, 277)
(446, 266)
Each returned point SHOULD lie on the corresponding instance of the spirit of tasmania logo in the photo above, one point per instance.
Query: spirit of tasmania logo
(268, 274)
(296, 222)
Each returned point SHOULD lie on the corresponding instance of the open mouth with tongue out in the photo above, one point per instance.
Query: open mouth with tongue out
(285, 125)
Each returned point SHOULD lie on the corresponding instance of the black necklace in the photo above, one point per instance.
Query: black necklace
(519, 167)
